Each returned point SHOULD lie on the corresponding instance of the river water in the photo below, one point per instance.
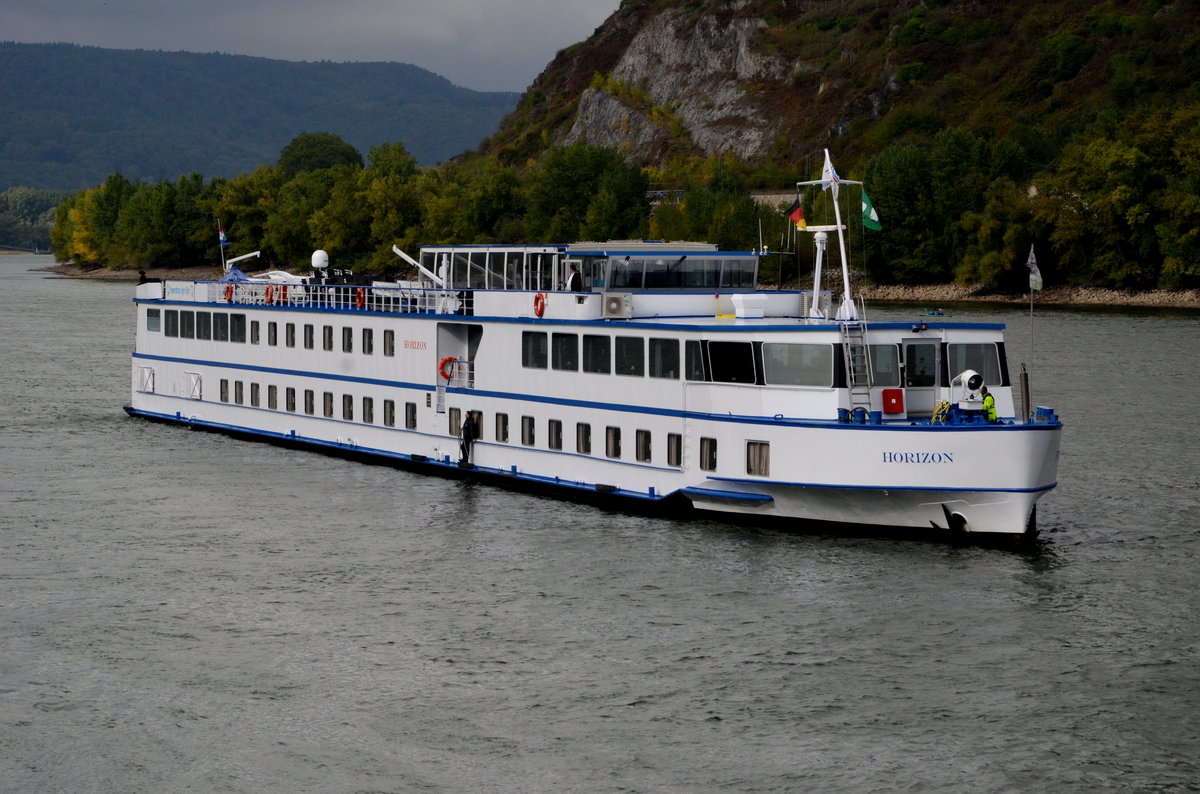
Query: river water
(188, 612)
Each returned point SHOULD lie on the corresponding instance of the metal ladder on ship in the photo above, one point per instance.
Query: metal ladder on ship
(857, 355)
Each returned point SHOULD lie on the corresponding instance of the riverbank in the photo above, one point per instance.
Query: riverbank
(931, 294)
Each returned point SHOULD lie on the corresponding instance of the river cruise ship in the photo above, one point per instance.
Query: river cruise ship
(662, 375)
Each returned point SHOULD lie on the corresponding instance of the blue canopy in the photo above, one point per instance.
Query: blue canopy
(233, 275)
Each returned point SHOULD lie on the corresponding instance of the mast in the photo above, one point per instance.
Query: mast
(831, 181)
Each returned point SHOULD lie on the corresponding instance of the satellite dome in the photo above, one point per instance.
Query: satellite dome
(320, 260)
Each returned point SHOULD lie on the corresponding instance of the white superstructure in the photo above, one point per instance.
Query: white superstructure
(669, 378)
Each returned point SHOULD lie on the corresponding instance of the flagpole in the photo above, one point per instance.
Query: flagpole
(221, 244)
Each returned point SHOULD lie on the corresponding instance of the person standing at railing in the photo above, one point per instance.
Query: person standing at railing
(469, 431)
(989, 405)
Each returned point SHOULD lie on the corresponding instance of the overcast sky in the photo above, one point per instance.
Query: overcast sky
(488, 45)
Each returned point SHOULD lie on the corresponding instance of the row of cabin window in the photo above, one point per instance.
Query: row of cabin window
(227, 327)
(758, 454)
(328, 403)
(767, 363)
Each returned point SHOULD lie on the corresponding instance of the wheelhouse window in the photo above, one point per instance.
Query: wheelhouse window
(533, 349)
(631, 356)
(983, 357)
(597, 354)
(733, 362)
(565, 352)
(153, 320)
(787, 364)
(664, 358)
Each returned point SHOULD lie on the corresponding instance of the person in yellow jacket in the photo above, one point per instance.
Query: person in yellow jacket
(989, 405)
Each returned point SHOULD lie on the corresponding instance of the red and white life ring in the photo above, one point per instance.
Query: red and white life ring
(448, 361)
(360, 297)
(539, 304)
(269, 297)
(229, 293)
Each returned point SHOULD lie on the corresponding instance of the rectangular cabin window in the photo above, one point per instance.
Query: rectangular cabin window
(153, 319)
(224, 390)
(389, 342)
(642, 444)
(708, 454)
(502, 428)
(220, 327)
(674, 449)
(347, 340)
(368, 415)
(885, 365)
(290, 335)
(979, 356)
(631, 356)
(455, 419)
(787, 364)
(327, 404)
(389, 413)
(565, 352)
(664, 358)
(732, 362)
(254, 332)
(310, 406)
(272, 397)
(290, 399)
(368, 342)
(272, 334)
(254, 394)
(172, 322)
(527, 434)
(410, 416)
(758, 458)
(348, 407)
(612, 442)
(597, 354)
(203, 325)
(309, 336)
(327, 337)
(693, 360)
(533, 349)
(187, 325)
(554, 434)
(583, 438)
(237, 392)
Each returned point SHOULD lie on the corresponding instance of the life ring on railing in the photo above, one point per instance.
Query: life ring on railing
(539, 304)
(447, 361)
(360, 297)
(229, 293)
(269, 295)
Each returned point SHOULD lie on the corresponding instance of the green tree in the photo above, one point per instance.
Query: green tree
(313, 151)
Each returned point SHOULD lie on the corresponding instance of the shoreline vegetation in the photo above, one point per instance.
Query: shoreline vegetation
(933, 294)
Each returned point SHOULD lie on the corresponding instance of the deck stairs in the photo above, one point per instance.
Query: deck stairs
(858, 363)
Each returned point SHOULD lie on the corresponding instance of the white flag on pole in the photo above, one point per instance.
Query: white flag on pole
(829, 177)
(1035, 275)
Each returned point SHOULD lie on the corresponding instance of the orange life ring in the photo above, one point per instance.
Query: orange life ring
(448, 360)
(229, 293)
(360, 297)
(269, 297)
(539, 304)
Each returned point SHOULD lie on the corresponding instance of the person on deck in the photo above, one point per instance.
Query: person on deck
(989, 405)
(469, 431)
(574, 281)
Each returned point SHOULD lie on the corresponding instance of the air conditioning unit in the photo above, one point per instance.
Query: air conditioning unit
(618, 305)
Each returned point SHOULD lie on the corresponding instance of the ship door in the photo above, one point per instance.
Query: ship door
(460, 342)
(920, 376)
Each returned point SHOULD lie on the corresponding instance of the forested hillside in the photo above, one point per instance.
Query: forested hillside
(980, 129)
(73, 115)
